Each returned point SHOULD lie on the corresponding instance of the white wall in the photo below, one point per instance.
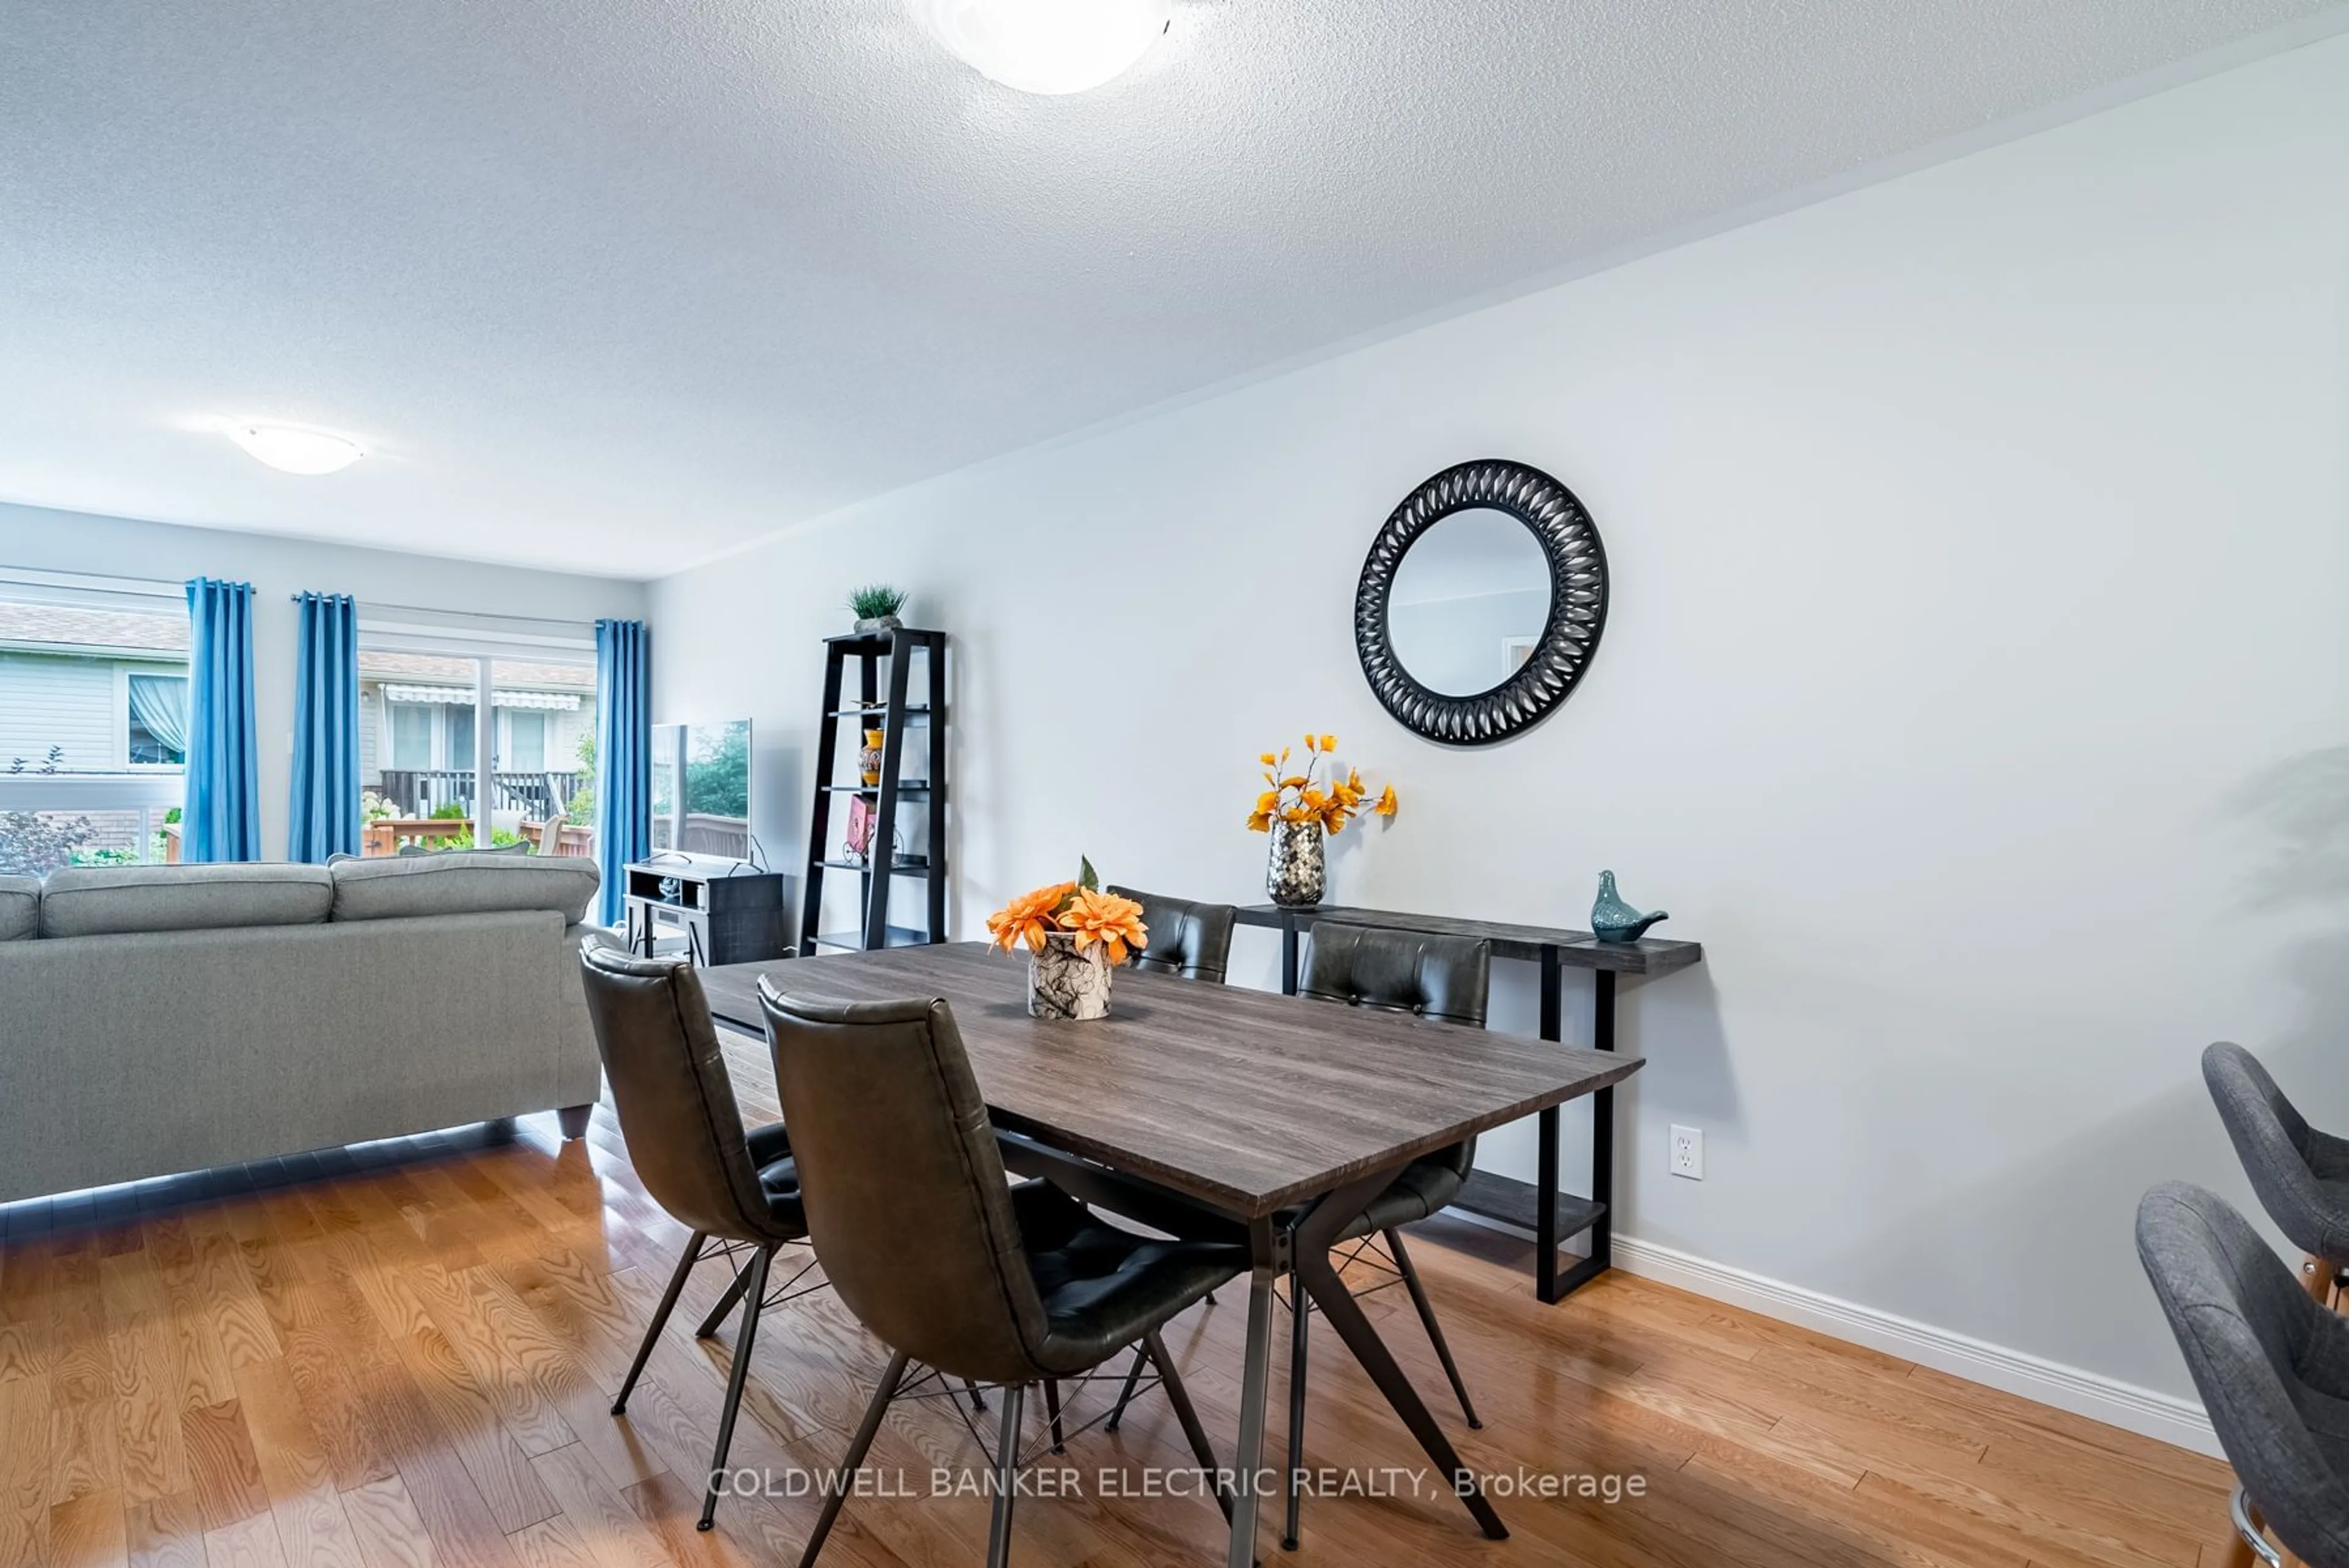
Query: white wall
(46, 541)
(1975, 686)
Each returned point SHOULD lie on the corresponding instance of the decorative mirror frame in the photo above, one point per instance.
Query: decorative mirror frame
(1569, 638)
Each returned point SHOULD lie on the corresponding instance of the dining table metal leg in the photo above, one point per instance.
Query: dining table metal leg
(1300, 1317)
(1269, 1255)
(1344, 1315)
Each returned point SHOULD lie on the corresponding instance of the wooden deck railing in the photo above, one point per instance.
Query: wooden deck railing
(418, 791)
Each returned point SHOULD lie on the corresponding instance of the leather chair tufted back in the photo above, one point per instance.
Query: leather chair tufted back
(906, 1198)
(1192, 940)
(1444, 977)
(675, 1100)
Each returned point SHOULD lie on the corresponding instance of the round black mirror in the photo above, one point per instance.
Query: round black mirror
(1481, 602)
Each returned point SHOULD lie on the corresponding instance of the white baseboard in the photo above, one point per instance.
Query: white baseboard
(2163, 1417)
(2099, 1398)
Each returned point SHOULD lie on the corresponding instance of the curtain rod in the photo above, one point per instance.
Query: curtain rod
(45, 577)
(569, 621)
(477, 615)
(161, 587)
(572, 621)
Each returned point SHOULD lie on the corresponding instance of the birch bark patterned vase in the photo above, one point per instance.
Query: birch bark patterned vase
(1064, 981)
(1297, 874)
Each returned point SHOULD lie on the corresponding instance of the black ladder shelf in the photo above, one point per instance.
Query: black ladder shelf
(885, 655)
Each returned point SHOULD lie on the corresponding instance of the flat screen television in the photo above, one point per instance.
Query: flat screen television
(701, 789)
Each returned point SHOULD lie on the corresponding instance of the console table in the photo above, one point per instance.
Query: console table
(1552, 1216)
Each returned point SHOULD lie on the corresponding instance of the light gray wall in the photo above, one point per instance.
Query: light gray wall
(46, 541)
(1975, 685)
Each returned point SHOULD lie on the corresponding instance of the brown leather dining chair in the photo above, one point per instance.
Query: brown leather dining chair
(945, 1261)
(1446, 978)
(738, 1190)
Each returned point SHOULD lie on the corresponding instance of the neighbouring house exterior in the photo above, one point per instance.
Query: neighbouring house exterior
(93, 732)
(106, 690)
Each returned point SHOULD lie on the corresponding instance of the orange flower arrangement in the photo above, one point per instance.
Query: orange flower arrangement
(1028, 917)
(1095, 917)
(1080, 909)
(1299, 798)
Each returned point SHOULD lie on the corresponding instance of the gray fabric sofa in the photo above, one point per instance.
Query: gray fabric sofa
(158, 1019)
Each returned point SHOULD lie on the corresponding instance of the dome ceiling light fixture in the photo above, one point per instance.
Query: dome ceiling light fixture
(293, 449)
(1049, 46)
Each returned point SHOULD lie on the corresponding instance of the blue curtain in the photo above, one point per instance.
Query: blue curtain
(325, 819)
(624, 756)
(221, 819)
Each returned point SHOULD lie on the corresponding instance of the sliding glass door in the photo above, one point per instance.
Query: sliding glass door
(420, 773)
(464, 750)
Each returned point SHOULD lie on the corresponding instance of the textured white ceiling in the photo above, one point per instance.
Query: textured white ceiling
(615, 285)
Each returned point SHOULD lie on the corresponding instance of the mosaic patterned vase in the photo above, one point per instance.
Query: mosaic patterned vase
(1297, 874)
(1064, 983)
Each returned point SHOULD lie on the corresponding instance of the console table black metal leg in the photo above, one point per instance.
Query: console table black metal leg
(1546, 1236)
(1553, 1286)
(1289, 957)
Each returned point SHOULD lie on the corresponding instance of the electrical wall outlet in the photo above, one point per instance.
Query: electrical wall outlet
(1688, 1153)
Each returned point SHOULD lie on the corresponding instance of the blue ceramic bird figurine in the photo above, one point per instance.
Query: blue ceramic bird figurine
(1613, 920)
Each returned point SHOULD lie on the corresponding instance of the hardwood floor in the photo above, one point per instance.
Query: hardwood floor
(402, 1357)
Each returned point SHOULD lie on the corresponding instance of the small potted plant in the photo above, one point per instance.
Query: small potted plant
(876, 606)
(1075, 934)
(1297, 811)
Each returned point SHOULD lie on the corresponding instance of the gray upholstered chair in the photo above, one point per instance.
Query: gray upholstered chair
(945, 1261)
(2302, 1175)
(734, 1188)
(1192, 940)
(2273, 1367)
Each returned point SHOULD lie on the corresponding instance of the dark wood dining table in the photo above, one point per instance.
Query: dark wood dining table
(1286, 1114)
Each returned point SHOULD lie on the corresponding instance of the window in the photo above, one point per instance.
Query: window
(411, 735)
(93, 723)
(525, 742)
(458, 752)
(158, 718)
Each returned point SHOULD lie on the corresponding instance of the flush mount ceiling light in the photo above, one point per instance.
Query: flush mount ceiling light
(289, 448)
(1048, 46)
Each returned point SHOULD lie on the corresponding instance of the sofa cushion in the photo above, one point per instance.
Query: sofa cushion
(20, 907)
(100, 901)
(461, 882)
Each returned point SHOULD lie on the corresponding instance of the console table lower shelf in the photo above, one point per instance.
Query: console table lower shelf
(1554, 1217)
(1509, 1201)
